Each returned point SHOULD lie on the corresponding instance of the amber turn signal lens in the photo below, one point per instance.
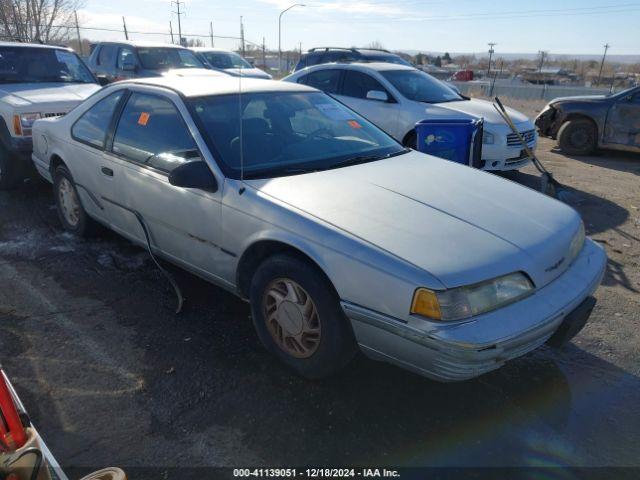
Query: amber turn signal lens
(17, 125)
(425, 303)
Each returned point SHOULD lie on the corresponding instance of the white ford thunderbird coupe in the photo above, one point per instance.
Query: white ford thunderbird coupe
(339, 237)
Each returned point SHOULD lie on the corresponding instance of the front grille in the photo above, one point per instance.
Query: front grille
(513, 140)
(51, 115)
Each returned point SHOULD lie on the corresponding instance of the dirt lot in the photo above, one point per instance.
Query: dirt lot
(112, 377)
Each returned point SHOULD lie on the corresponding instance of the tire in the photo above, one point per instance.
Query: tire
(325, 342)
(71, 213)
(578, 137)
(411, 141)
(11, 172)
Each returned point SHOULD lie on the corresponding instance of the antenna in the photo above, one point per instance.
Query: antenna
(240, 120)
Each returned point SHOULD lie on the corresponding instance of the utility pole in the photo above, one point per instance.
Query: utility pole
(242, 36)
(491, 52)
(264, 53)
(171, 31)
(606, 47)
(124, 25)
(211, 32)
(179, 13)
(78, 33)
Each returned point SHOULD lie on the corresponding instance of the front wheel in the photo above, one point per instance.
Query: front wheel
(578, 137)
(298, 318)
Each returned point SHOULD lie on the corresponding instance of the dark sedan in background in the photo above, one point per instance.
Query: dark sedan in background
(583, 124)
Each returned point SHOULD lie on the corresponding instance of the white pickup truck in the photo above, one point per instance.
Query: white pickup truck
(36, 81)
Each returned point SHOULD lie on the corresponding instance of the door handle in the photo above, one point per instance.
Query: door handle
(107, 171)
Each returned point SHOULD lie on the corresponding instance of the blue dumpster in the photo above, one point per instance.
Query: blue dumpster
(458, 140)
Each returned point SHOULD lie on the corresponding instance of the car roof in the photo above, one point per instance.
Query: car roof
(376, 66)
(34, 45)
(140, 43)
(197, 87)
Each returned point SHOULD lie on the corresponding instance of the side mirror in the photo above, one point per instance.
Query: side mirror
(129, 66)
(377, 95)
(194, 174)
(102, 80)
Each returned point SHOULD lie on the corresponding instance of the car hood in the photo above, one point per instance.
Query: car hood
(50, 93)
(192, 72)
(580, 98)
(459, 224)
(482, 108)
(248, 72)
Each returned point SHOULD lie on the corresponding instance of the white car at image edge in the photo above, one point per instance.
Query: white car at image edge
(396, 97)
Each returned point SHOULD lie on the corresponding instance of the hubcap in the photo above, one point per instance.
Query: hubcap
(69, 202)
(292, 318)
(580, 138)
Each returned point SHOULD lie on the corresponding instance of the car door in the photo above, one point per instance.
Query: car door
(126, 63)
(105, 62)
(150, 140)
(623, 121)
(354, 92)
(92, 170)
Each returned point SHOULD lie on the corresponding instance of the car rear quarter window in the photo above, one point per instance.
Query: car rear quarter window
(358, 84)
(107, 55)
(91, 128)
(151, 132)
(326, 80)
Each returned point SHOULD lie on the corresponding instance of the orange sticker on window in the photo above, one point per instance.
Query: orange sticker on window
(354, 124)
(144, 119)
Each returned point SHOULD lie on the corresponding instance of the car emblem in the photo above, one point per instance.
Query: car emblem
(555, 265)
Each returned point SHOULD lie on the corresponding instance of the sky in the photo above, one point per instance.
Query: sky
(560, 27)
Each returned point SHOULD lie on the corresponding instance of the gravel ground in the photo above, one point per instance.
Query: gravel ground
(111, 376)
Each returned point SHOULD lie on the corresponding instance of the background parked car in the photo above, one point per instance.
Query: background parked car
(229, 62)
(113, 61)
(36, 81)
(396, 97)
(582, 124)
(317, 56)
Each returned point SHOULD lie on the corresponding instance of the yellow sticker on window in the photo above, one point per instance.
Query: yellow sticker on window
(144, 119)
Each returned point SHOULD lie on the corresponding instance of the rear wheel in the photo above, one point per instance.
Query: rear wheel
(10, 170)
(578, 137)
(298, 318)
(70, 210)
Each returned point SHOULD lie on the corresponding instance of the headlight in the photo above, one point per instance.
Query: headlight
(469, 301)
(577, 242)
(487, 138)
(22, 123)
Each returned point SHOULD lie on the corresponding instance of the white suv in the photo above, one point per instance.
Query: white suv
(396, 97)
(36, 81)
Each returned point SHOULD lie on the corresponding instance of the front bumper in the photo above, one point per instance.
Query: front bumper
(503, 158)
(469, 349)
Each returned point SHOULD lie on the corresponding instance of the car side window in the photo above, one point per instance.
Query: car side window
(358, 84)
(92, 126)
(312, 59)
(325, 80)
(151, 132)
(126, 55)
(106, 55)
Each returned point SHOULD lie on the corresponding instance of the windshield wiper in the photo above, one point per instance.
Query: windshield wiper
(369, 158)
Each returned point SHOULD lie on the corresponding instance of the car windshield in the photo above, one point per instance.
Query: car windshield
(166, 58)
(225, 60)
(420, 87)
(39, 64)
(288, 133)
